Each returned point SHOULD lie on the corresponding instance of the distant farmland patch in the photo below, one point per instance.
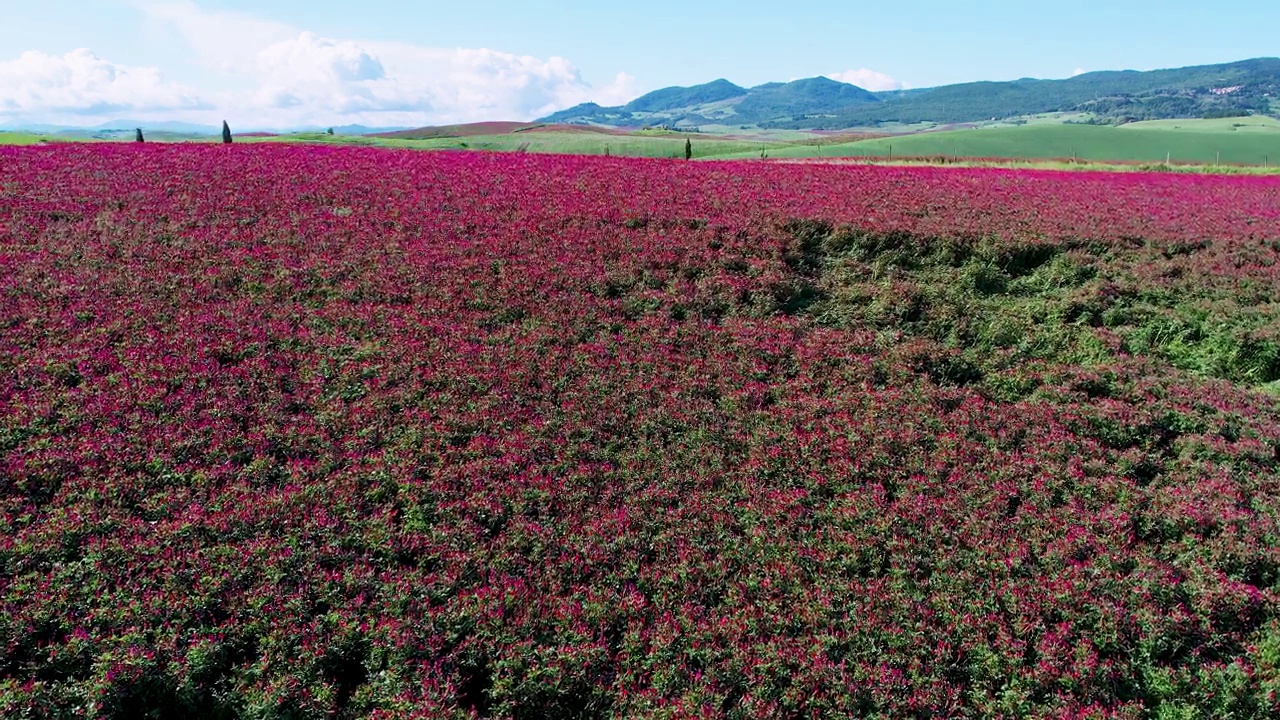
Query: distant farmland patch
(466, 130)
(1083, 142)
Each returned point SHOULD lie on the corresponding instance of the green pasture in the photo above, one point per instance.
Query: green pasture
(596, 144)
(1054, 118)
(571, 143)
(160, 136)
(1252, 141)
(1077, 165)
(755, 134)
(21, 138)
(1251, 124)
(1083, 142)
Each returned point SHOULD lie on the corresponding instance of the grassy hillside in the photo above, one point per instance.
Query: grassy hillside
(1110, 97)
(1085, 142)
(596, 144)
(31, 138)
(673, 98)
(21, 138)
(1113, 96)
(562, 142)
(568, 141)
(721, 100)
(812, 95)
(1251, 141)
(1255, 123)
(439, 131)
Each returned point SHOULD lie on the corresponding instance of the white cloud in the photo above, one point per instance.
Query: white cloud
(1078, 71)
(311, 59)
(475, 83)
(309, 72)
(621, 91)
(297, 77)
(226, 41)
(79, 83)
(868, 80)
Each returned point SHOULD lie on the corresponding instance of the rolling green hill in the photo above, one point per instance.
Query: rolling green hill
(659, 145)
(497, 137)
(551, 140)
(722, 101)
(1108, 97)
(21, 138)
(1112, 96)
(668, 106)
(675, 98)
(1235, 141)
(1252, 124)
(812, 95)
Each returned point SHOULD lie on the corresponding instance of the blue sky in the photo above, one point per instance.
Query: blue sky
(291, 62)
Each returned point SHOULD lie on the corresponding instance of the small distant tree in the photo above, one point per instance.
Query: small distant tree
(226, 133)
(330, 131)
(688, 149)
(138, 137)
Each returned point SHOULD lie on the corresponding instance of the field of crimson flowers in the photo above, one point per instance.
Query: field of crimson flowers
(305, 432)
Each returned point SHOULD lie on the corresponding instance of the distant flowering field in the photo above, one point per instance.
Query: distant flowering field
(304, 432)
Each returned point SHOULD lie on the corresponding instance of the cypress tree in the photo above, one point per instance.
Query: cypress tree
(226, 133)
(688, 149)
(139, 137)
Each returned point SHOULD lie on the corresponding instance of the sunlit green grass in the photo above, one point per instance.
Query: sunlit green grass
(572, 143)
(1083, 142)
(1251, 124)
(21, 138)
(1188, 145)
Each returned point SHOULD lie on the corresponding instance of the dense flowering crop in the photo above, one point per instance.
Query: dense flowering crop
(316, 432)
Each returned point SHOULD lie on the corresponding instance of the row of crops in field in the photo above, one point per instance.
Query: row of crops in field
(305, 432)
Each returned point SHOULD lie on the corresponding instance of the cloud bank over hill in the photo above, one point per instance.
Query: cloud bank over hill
(868, 79)
(82, 84)
(278, 75)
